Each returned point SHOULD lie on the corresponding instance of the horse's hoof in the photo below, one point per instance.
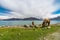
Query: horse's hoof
(49, 27)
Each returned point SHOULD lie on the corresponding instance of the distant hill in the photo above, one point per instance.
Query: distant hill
(57, 18)
(30, 18)
(11, 19)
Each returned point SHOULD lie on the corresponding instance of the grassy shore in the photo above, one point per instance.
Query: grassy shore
(25, 33)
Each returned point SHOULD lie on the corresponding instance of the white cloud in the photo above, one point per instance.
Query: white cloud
(4, 17)
(15, 15)
(30, 8)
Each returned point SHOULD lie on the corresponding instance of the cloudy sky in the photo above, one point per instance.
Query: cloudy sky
(29, 8)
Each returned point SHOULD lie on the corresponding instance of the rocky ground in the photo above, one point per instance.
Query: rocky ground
(53, 36)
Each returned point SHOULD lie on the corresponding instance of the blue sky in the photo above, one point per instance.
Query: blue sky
(57, 11)
(29, 8)
(4, 10)
(57, 2)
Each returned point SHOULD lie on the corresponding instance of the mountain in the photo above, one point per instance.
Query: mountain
(30, 18)
(11, 19)
(57, 18)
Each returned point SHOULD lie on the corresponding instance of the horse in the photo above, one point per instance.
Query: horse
(46, 23)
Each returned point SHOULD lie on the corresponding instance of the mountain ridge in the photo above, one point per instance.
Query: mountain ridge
(31, 18)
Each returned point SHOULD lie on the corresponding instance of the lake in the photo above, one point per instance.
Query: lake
(21, 22)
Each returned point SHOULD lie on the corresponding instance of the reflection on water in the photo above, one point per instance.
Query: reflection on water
(21, 22)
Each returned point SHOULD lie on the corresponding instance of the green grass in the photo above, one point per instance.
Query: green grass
(25, 34)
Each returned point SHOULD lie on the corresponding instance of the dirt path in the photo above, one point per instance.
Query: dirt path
(53, 36)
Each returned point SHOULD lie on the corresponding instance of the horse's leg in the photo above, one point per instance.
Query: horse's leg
(49, 25)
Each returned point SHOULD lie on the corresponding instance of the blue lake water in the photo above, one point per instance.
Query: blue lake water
(21, 22)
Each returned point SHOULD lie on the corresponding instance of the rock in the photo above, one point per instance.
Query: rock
(31, 25)
(26, 26)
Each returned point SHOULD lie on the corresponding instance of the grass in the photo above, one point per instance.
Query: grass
(26, 34)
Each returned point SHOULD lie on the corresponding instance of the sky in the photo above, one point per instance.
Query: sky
(29, 8)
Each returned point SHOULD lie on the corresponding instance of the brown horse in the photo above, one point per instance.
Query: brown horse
(46, 22)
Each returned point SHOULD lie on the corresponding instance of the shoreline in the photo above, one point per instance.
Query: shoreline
(22, 26)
